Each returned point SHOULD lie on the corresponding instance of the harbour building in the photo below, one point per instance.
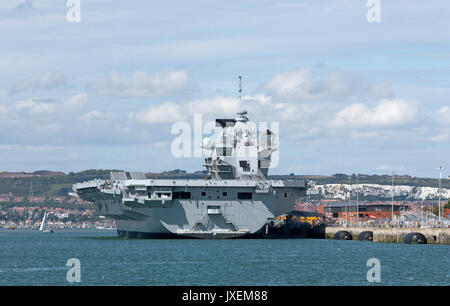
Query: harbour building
(349, 211)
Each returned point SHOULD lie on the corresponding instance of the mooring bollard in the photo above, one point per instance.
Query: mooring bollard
(343, 235)
(415, 238)
(366, 236)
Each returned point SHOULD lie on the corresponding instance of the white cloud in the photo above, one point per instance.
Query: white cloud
(139, 84)
(37, 108)
(364, 135)
(287, 111)
(388, 112)
(171, 112)
(95, 116)
(259, 98)
(441, 137)
(307, 84)
(164, 113)
(260, 107)
(292, 84)
(444, 115)
(3, 109)
(47, 80)
(219, 105)
(34, 107)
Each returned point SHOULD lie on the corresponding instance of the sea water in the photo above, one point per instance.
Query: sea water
(30, 257)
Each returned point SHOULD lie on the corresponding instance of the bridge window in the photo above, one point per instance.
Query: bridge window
(163, 194)
(181, 195)
(244, 195)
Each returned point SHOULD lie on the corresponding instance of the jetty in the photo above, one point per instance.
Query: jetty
(393, 235)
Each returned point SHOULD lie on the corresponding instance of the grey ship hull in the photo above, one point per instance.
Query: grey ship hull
(191, 208)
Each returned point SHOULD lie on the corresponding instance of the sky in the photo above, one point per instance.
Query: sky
(351, 96)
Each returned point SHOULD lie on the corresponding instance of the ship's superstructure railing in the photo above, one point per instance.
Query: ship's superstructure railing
(89, 184)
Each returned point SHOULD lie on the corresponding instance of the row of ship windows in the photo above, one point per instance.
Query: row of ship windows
(187, 195)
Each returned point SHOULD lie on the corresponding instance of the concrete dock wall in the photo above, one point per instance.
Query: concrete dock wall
(433, 235)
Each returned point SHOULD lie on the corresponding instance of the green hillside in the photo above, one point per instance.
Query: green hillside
(62, 184)
(48, 185)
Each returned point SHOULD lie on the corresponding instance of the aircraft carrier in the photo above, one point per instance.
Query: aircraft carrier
(235, 199)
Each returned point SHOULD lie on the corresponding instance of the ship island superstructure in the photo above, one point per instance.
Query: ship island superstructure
(235, 199)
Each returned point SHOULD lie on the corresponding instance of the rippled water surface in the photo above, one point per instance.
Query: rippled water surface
(35, 258)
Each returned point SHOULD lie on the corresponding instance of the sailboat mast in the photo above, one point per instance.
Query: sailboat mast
(44, 221)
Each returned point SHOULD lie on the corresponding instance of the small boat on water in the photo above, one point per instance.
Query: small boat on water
(44, 226)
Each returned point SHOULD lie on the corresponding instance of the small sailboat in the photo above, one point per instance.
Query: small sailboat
(44, 226)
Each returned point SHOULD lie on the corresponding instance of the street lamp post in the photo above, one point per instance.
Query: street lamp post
(357, 199)
(392, 199)
(440, 178)
(349, 197)
(308, 193)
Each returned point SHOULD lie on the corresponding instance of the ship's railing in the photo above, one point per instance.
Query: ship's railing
(88, 184)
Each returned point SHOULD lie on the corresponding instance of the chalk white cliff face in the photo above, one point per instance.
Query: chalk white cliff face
(341, 191)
